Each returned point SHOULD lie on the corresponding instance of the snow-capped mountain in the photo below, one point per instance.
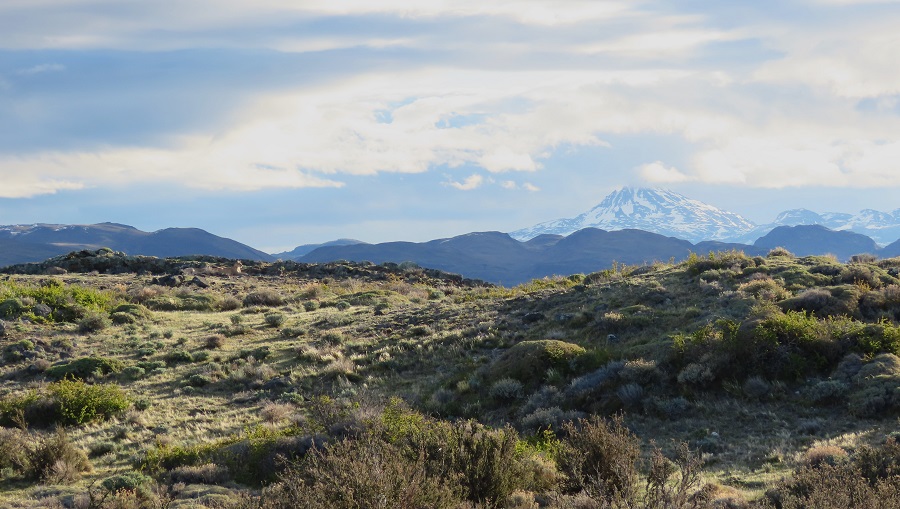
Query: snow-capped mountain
(882, 227)
(654, 210)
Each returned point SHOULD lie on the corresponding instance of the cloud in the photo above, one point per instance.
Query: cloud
(513, 185)
(657, 173)
(193, 166)
(400, 87)
(26, 186)
(471, 182)
(42, 68)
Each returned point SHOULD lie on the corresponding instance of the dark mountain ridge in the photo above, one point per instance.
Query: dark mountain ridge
(33, 243)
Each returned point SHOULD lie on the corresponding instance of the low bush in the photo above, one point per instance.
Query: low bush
(215, 341)
(77, 402)
(274, 319)
(354, 473)
(529, 361)
(84, 368)
(93, 322)
(128, 481)
(263, 298)
(55, 460)
(506, 389)
(599, 457)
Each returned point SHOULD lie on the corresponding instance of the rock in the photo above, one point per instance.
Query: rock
(2, 328)
(168, 280)
(196, 281)
(533, 317)
(277, 384)
(612, 338)
(41, 310)
(564, 317)
(56, 271)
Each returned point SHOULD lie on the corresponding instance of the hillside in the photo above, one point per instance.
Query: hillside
(498, 258)
(33, 243)
(762, 378)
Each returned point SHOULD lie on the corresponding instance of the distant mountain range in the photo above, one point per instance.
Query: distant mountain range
(630, 226)
(498, 258)
(672, 214)
(37, 242)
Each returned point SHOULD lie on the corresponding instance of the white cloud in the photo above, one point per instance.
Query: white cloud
(531, 187)
(853, 59)
(785, 116)
(471, 182)
(658, 173)
(42, 68)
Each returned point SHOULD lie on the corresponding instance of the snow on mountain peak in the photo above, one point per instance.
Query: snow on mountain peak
(655, 210)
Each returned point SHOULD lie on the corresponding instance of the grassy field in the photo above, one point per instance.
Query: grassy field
(722, 381)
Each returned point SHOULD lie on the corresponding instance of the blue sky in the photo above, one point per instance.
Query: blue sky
(285, 122)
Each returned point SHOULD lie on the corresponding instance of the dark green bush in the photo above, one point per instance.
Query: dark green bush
(529, 361)
(178, 357)
(128, 481)
(84, 368)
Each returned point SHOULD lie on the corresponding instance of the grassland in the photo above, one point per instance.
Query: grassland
(735, 381)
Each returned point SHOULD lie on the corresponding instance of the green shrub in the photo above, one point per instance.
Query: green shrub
(12, 308)
(199, 380)
(274, 319)
(529, 361)
(98, 449)
(765, 289)
(77, 402)
(824, 303)
(506, 389)
(84, 368)
(133, 372)
(93, 322)
(311, 305)
(263, 298)
(128, 481)
(178, 357)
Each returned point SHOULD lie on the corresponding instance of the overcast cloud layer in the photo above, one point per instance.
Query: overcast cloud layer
(482, 106)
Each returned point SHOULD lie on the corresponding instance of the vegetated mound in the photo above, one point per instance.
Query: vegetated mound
(529, 361)
(107, 261)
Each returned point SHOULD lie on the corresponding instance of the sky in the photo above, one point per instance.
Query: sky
(286, 122)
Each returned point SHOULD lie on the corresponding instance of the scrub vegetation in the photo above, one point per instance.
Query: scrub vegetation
(721, 381)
